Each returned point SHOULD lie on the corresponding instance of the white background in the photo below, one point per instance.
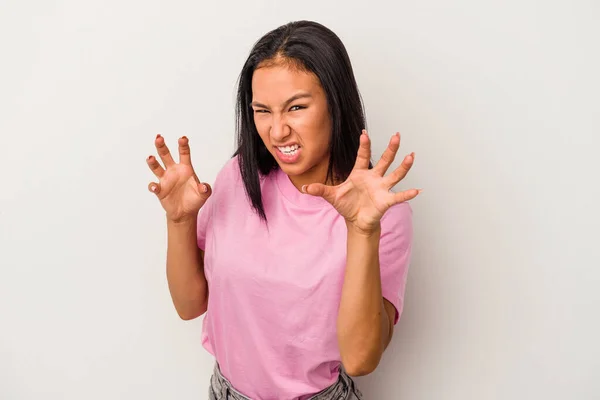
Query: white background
(499, 100)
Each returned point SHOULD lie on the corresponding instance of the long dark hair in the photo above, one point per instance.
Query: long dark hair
(314, 48)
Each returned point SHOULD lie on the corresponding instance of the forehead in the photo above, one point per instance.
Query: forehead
(280, 81)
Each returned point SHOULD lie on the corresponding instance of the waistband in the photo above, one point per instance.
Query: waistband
(343, 389)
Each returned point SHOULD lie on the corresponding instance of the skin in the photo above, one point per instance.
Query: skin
(290, 106)
(181, 195)
(365, 323)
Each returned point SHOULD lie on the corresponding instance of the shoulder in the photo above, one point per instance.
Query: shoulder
(229, 171)
(224, 188)
(398, 213)
(225, 185)
(228, 179)
(397, 225)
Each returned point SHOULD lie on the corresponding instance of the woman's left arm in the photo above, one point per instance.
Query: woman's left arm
(365, 319)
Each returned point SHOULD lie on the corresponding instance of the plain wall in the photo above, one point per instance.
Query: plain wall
(499, 100)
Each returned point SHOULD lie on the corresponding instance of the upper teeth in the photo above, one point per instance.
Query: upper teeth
(289, 149)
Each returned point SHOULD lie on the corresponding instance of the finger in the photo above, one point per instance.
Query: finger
(184, 150)
(163, 151)
(406, 195)
(185, 155)
(154, 187)
(320, 190)
(364, 152)
(205, 189)
(155, 166)
(387, 158)
(399, 173)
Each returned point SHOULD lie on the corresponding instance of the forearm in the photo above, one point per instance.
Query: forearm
(185, 270)
(362, 325)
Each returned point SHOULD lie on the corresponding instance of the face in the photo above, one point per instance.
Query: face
(292, 119)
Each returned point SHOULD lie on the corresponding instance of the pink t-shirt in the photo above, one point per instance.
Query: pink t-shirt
(274, 291)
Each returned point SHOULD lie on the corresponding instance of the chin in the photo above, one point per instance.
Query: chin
(295, 169)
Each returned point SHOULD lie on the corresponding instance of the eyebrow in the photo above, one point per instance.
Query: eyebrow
(301, 95)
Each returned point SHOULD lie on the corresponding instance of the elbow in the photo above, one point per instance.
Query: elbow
(361, 366)
(355, 370)
(187, 316)
(190, 313)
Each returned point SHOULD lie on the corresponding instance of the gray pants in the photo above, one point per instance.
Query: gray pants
(343, 389)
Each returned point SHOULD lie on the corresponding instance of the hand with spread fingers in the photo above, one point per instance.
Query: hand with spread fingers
(366, 194)
(179, 190)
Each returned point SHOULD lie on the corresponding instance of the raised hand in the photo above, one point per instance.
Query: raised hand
(365, 196)
(179, 190)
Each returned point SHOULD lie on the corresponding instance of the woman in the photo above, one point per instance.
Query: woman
(299, 253)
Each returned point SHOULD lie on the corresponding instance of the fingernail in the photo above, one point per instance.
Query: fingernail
(303, 188)
(158, 135)
(419, 191)
(204, 189)
(184, 137)
(149, 157)
(153, 188)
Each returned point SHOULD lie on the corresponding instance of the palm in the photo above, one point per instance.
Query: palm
(365, 196)
(361, 198)
(180, 192)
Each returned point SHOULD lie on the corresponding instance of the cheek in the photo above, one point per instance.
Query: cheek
(313, 128)
(320, 129)
(262, 128)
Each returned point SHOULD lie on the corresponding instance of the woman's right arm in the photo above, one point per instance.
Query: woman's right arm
(185, 270)
(181, 194)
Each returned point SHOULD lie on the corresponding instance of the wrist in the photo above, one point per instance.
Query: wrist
(367, 231)
(181, 221)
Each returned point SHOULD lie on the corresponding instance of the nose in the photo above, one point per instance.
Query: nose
(280, 130)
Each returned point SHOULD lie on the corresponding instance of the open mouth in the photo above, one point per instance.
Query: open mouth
(289, 154)
(289, 150)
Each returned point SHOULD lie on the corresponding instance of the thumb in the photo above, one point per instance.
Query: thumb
(205, 190)
(154, 187)
(320, 190)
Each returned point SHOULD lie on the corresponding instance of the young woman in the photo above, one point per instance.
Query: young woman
(299, 253)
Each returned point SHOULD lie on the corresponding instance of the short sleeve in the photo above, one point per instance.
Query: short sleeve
(395, 248)
(221, 193)
(204, 219)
